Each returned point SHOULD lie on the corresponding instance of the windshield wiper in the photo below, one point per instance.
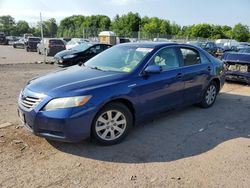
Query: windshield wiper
(96, 68)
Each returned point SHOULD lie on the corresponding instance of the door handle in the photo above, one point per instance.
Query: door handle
(179, 75)
(209, 68)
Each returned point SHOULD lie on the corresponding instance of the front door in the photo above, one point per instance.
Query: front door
(158, 92)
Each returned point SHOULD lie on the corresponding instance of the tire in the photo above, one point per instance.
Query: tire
(14, 46)
(38, 51)
(210, 95)
(27, 49)
(111, 124)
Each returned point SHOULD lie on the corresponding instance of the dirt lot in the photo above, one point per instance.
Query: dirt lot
(192, 147)
(9, 55)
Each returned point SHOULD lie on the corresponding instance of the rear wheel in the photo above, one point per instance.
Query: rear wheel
(112, 123)
(210, 95)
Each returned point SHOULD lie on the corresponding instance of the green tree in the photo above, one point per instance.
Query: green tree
(240, 32)
(155, 27)
(175, 29)
(126, 25)
(7, 24)
(20, 28)
(202, 30)
(50, 28)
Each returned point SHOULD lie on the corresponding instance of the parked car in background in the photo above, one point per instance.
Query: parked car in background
(227, 44)
(120, 40)
(210, 47)
(80, 53)
(75, 42)
(12, 39)
(238, 65)
(19, 44)
(243, 45)
(50, 46)
(127, 83)
(31, 43)
(3, 39)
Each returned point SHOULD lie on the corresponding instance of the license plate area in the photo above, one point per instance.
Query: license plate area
(238, 67)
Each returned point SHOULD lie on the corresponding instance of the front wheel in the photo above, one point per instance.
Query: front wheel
(210, 94)
(112, 123)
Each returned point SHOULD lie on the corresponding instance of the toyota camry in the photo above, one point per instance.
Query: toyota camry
(118, 88)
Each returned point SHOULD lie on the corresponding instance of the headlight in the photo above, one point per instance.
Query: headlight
(67, 102)
(69, 56)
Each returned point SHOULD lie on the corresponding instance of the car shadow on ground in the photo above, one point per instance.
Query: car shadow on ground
(176, 135)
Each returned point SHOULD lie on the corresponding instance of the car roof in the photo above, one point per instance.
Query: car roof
(148, 44)
(96, 43)
(158, 44)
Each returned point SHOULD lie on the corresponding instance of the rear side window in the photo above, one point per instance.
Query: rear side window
(56, 42)
(190, 56)
(167, 58)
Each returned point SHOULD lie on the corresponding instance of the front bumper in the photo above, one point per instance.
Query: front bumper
(68, 125)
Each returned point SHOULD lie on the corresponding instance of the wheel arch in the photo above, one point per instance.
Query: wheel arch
(123, 101)
(217, 81)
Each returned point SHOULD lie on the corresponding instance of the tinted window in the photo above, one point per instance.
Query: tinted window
(167, 58)
(190, 56)
(81, 47)
(34, 39)
(104, 47)
(56, 42)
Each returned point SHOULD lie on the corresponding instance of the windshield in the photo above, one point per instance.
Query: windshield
(81, 46)
(119, 58)
(245, 50)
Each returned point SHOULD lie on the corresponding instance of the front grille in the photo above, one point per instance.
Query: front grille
(29, 102)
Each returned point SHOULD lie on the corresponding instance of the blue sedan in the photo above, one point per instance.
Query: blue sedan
(117, 89)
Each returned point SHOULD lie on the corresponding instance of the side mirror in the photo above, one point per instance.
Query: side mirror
(153, 69)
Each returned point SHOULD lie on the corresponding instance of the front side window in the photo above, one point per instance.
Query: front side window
(119, 58)
(166, 58)
(190, 56)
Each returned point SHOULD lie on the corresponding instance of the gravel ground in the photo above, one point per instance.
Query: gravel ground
(10, 55)
(192, 147)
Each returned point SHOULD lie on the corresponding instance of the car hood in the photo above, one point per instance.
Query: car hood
(75, 79)
(237, 57)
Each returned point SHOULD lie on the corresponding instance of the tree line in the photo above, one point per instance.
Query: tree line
(128, 25)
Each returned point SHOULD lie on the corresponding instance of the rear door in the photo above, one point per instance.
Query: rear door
(196, 73)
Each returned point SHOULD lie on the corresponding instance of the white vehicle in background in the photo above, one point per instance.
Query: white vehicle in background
(75, 42)
(227, 44)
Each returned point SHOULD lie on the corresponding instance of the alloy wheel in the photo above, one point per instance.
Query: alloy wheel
(110, 125)
(211, 94)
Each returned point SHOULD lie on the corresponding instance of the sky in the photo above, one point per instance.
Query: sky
(182, 12)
